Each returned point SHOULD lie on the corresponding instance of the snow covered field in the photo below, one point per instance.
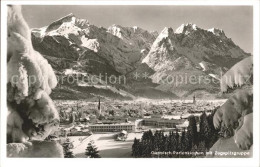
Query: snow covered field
(107, 146)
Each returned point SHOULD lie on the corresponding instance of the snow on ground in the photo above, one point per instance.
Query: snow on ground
(107, 146)
(214, 76)
(41, 31)
(216, 31)
(202, 64)
(142, 51)
(212, 30)
(76, 140)
(179, 30)
(71, 72)
(91, 44)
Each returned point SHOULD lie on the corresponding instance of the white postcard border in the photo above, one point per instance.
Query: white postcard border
(43, 162)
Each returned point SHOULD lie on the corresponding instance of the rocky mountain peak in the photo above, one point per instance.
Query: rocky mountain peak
(193, 51)
(74, 44)
(115, 30)
(166, 32)
(126, 32)
(54, 25)
(118, 46)
(68, 24)
(186, 28)
(134, 36)
(217, 32)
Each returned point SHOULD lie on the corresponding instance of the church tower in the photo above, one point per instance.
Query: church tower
(99, 106)
(194, 99)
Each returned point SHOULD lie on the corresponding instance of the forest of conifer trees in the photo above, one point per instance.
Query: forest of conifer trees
(187, 143)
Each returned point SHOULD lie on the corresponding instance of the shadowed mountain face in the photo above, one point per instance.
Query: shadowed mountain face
(151, 63)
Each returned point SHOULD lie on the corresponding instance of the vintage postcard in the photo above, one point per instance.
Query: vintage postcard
(164, 80)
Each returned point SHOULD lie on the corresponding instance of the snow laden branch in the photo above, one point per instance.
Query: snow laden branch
(237, 112)
(30, 80)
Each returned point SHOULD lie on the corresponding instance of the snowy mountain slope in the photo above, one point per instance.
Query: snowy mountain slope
(191, 52)
(135, 36)
(73, 44)
(70, 38)
(197, 44)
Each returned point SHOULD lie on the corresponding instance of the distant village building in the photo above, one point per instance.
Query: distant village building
(158, 122)
(78, 131)
(74, 130)
(84, 118)
(112, 127)
(188, 103)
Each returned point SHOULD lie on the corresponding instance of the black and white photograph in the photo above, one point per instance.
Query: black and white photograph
(145, 80)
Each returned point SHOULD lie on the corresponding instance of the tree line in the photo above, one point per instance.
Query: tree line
(91, 151)
(178, 144)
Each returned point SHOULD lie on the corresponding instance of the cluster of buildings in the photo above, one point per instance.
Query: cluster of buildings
(73, 130)
(129, 127)
(159, 122)
(162, 121)
(133, 126)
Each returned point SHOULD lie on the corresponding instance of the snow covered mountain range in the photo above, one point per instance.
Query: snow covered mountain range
(147, 59)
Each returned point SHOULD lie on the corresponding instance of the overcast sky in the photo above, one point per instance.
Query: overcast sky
(236, 21)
